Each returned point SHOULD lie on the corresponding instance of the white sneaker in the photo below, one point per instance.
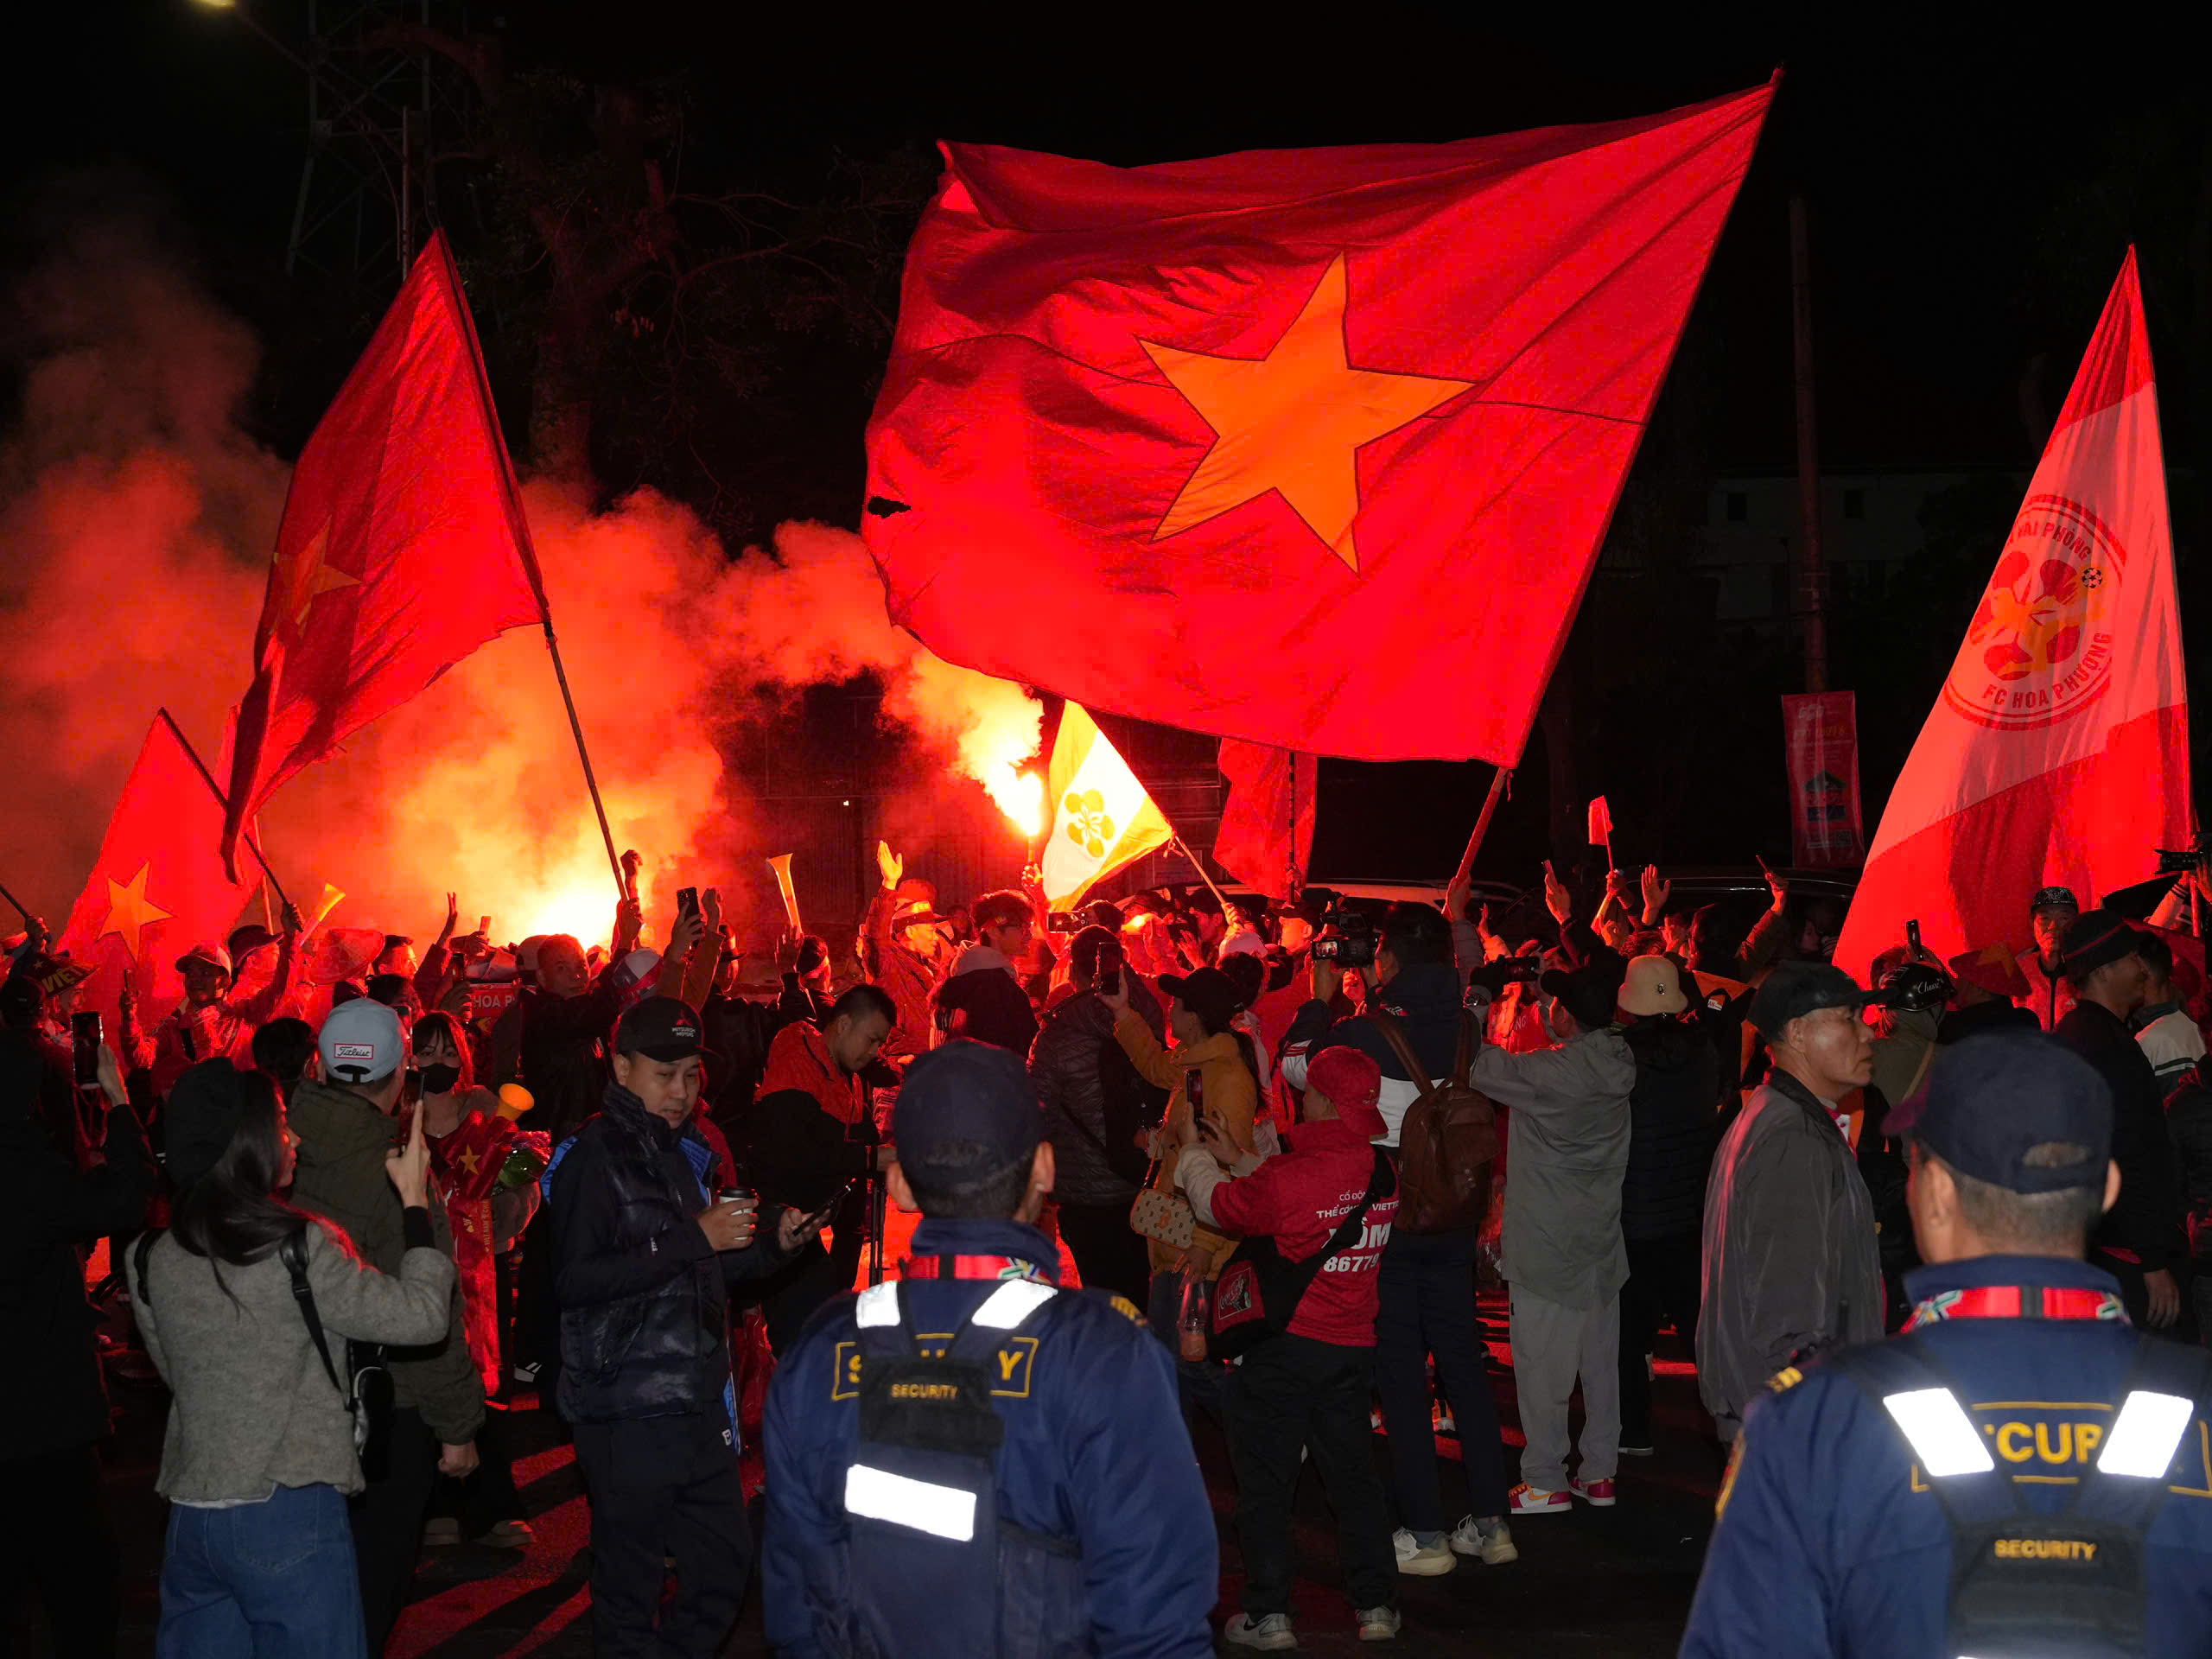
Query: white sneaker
(1490, 1541)
(1416, 1562)
(1271, 1635)
(1379, 1623)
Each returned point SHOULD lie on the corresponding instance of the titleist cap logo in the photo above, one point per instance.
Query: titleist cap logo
(352, 1051)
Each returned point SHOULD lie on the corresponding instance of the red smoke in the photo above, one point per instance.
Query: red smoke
(138, 519)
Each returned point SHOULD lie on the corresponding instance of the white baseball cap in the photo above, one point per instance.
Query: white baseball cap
(362, 1041)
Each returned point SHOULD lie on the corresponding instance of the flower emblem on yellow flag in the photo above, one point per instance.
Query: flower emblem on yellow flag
(1089, 825)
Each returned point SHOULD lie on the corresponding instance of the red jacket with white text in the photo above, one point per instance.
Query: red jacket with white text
(1298, 1198)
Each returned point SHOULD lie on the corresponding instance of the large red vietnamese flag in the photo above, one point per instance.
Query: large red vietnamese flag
(1310, 447)
(2057, 754)
(403, 548)
(157, 888)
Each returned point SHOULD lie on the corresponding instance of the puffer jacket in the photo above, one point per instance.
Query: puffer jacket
(644, 1297)
(1076, 1041)
(1674, 1125)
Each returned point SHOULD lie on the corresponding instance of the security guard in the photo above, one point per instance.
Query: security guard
(2021, 1472)
(971, 1461)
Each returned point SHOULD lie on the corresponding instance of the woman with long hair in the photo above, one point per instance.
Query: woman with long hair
(487, 1170)
(259, 1456)
(1210, 1071)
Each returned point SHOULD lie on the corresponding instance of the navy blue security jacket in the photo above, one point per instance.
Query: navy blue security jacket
(1095, 1454)
(1828, 1540)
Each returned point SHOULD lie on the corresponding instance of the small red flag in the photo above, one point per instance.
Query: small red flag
(1266, 838)
(404, 546)
(157, 888)
(1601, 823)
(2057, 754)
(1278, 445)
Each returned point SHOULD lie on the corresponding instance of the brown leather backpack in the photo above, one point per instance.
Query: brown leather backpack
(1449, 1140)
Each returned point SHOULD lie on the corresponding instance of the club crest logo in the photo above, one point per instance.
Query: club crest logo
(2040, 647)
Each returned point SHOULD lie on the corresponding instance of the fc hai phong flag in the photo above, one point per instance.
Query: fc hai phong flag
(402, 547)
(1310, 447)
(2057, 754)
(158, 886)
(1102, 816)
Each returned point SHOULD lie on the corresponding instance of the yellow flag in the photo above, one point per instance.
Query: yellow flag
(1102, 817)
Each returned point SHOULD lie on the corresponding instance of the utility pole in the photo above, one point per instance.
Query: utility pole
(1812, 567)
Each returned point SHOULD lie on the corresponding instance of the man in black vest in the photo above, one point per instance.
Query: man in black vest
(644, 1256)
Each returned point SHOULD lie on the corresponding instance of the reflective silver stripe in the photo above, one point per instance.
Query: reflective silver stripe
(879, 1305)
(941, 1512)
(1942, 1437)
(2146, 1434)
(1012, 1302)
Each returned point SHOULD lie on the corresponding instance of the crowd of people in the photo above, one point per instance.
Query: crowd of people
(1284, 1146)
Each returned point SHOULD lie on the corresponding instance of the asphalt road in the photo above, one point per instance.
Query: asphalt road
(1615, 1582)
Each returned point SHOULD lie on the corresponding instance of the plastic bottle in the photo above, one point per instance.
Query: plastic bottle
(1195, 1321)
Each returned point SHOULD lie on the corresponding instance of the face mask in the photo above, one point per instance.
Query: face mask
(439, 1079)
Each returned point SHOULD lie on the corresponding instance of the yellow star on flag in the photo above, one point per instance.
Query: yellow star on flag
(307, 577)
(1293, 421)
(129, 910)
(469, 1160)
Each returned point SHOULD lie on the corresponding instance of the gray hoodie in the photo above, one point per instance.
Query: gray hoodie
(1565, 1153)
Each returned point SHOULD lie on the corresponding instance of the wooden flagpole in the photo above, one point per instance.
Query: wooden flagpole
(1500, 781)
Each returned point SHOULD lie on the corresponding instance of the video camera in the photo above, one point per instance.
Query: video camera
(2180, 861)
(1494, 977)
(1347, 937)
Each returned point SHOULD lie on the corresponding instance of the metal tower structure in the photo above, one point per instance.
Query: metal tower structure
(379, 115)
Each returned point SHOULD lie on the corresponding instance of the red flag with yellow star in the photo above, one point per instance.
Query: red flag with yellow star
(403, 549)
(157, 888)
(1313, 449)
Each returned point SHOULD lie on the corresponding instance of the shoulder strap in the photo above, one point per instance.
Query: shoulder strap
(2160, 1368)
(1395, 1035)
(1464, 1062)
(294, 1251)
(1902, 1365)
(1348, 1229)
(139, 1253)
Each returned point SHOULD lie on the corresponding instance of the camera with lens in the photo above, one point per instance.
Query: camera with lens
(1347, 937)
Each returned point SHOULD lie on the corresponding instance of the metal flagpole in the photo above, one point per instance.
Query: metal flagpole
(222, 801)
(518, 524)
(16, 902)
(591, 779)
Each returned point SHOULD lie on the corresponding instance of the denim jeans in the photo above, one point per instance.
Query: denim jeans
(266, 1580)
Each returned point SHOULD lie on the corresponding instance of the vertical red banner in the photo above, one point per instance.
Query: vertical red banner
(1822, 731)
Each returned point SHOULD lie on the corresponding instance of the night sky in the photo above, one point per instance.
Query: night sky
(1972, 189)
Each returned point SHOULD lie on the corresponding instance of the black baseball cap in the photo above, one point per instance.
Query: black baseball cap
(1206, 989)
(1588, 993)
(2054, 899)
(964, 1096)
(661, 1028)
(1990, 1100)
(2093, 938)
(1797, 988)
